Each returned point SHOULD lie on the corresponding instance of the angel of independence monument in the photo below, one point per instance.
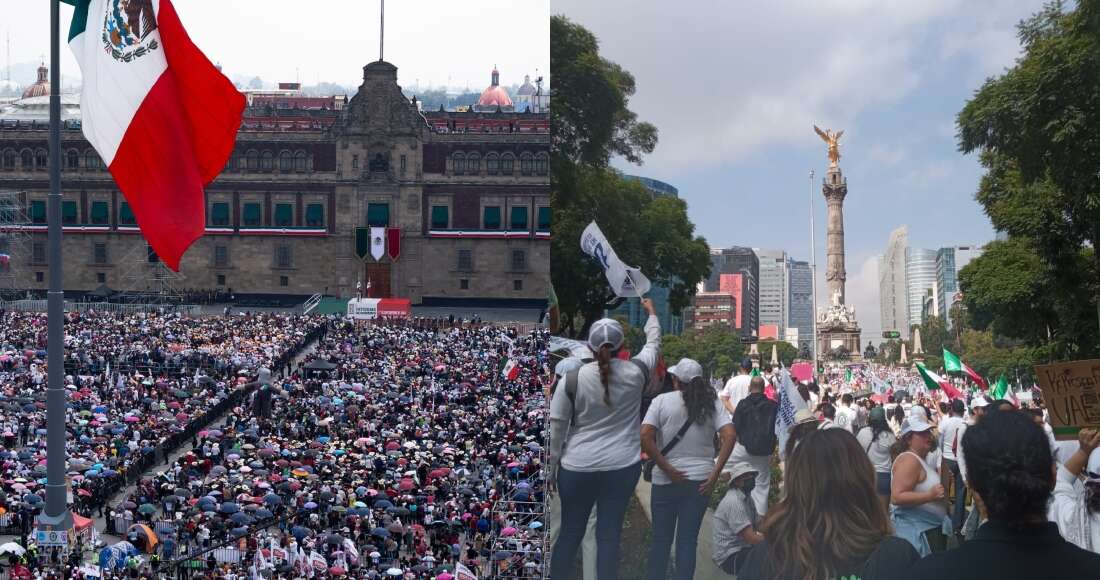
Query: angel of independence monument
(837, 330)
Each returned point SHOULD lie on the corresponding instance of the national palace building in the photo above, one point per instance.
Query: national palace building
(464, 197)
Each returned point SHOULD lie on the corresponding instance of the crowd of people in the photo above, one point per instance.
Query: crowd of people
(908, 484)
(407, 453)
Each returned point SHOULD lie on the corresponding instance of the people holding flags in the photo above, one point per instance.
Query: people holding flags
(595, 448)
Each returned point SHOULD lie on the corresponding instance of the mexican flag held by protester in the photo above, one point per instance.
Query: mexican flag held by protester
(934, 381)
(952, 364)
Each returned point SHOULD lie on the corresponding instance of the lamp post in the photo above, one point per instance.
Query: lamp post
(813, 272)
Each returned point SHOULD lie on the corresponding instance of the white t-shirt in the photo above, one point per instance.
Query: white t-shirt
(736, 389)
(694, 454)
(950, 428)
(879, 451)
(845, 417)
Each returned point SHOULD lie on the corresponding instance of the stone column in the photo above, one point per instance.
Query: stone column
(835, 188)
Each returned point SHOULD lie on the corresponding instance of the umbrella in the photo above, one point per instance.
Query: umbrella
(380, 532)
(395, 572)
(147, 508)
(12, 548)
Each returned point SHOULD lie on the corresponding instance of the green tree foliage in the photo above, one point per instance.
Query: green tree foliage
(717, 348)
(1035, 128)
(783, 351)
(591, 124)
(991, 356)
(933, 337)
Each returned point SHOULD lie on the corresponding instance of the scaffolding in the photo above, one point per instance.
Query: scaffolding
(15, 242)
(520, 553)
(147, 280)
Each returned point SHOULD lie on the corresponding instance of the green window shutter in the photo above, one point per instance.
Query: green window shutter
(251, 214)
(378, 214)
(284, 215)
(519, 218)
(544, 219)
(68, 212)
(100, 213)
(315, 215)
(219, 214)
(38, 212)
(126, 215)
(492, 217)
(440, 217)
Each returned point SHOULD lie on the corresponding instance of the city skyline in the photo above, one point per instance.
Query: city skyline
(739, 143)
(280, 49)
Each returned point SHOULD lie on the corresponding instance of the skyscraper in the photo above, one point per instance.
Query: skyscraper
(892, 290)
(800, 302)
(949, 261)
(920, 276)
(774, 282)
(739, 260)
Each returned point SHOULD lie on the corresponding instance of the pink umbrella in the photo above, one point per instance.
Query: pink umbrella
(406, 485)
(444, 576)
(509, 531)
(131, 419)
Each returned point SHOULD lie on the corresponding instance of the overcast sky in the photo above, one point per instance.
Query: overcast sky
(435, 41)
(735, 87)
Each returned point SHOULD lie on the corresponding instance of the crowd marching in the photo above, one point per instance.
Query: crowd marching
(398, 450)
(884, 473)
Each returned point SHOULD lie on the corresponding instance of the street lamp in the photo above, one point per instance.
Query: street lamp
(813, 272)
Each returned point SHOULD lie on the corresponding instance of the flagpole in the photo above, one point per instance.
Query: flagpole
(56, 514)
(813, 274)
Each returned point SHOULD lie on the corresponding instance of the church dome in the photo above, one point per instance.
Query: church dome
(41, 88)
(526, 88)
(495, 95)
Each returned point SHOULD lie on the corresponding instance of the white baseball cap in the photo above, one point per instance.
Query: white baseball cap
(686, 370)
(979, 401)
(916, 422)
(605, 331)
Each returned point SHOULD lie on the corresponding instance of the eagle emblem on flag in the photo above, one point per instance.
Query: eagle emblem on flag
(125, 25)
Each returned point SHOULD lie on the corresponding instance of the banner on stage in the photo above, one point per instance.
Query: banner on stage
(1071, 392)
(371, 308)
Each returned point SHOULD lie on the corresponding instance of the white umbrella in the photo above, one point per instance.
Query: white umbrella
(13, 548)
(394, 572)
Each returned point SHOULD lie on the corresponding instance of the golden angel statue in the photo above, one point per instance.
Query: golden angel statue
(832, 138)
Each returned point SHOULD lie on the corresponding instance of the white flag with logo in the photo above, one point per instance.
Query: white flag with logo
(626, 282)
(377, 242)
(463, 573)
(790, 402)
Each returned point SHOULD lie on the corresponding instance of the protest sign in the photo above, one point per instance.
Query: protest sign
(626, 281)
(1071, 392)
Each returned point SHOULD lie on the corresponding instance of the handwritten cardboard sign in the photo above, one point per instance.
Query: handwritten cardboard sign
(1071, 392)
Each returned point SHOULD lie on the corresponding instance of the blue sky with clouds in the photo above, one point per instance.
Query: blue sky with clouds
(735, 87)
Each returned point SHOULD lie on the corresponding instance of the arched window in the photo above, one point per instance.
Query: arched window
(507, 164)
(41, 160)
(253, 160)
(266, 161)
(542, 164)
(459, 163)
(473, 164)
(26, 160)
(238, 162)
(9, 160)
(91, 160)
(492, 164)
(300, 161)
(286, 162)
(526, 164)
(72, 160)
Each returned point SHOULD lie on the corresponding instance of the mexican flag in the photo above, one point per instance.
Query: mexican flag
(510, 369)
(1000, 388)
(952, 364)
(157, 111)
(934, 381)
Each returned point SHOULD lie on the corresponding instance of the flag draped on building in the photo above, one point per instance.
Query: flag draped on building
(626, 281)
(377, 243)
(953, 364)
(162, 117)
(790, 402)
(934, 381)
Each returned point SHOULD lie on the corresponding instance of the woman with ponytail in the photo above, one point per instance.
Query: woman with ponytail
(595, 454)
(684, 473)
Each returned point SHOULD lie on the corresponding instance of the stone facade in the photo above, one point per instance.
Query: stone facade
(837, 330)
(282, 217)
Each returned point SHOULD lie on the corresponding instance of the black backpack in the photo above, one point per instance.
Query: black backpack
(754, 420)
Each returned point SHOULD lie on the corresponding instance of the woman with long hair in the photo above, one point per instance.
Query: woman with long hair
(876, 439)
(678, 435)
(595, 454)
(915, 489)
(829, 523)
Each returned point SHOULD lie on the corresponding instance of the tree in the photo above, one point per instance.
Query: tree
(717, 348)
(1035, 127)
(591, 124)
(934, 336)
